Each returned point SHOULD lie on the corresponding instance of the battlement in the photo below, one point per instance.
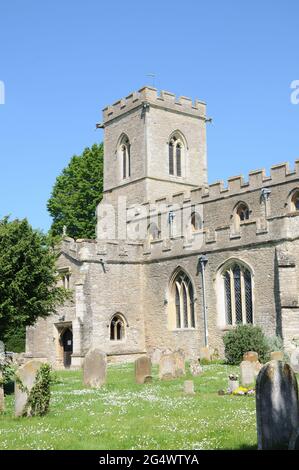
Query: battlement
(150, 96)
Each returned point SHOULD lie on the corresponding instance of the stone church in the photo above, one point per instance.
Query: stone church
(176, 262)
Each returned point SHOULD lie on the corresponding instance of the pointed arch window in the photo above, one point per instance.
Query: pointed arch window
(242, 212)
(117, 328)
(237, 281)
(295, 201)
(182, 307)
(125, 157)
(175, 156)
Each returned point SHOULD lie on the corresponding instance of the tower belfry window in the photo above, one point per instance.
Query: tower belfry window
(175, 154)
(125, 157)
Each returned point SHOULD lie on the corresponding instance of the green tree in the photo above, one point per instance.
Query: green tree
(76, 194)
(28, 278)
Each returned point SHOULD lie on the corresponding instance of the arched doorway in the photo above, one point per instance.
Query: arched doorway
(67, 345)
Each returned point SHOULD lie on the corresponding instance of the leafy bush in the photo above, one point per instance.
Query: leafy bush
(275, 343)
(39, 397)
(242, 339)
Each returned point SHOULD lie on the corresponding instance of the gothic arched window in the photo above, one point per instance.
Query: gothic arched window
(125, 157)
(237, 280)
(195, 221)
(153, 231)
(242, 212)
(117, 328)
(182, 305)
(175, 155)
(295, 201)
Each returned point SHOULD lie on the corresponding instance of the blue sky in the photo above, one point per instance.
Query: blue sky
(63, 61)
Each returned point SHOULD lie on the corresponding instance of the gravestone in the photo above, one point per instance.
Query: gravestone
(27, 374)
(276, 356)
(94, 368)
(204, 353)
(189, 387)
(2, 348)
(251, 356)
(143, 370)
(277, 410)
(167, 367)
(195, 368)
(179, 357)
(156, 356)
(294, 359)
(247, 373)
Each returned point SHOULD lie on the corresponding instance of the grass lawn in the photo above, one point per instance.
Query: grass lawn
(124, 415)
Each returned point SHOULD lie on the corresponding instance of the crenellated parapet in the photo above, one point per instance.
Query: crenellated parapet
(151, 96)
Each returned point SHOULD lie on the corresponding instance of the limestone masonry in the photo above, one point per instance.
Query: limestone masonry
(176, 262)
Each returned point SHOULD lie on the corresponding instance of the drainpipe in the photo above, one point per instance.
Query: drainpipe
(203, 261)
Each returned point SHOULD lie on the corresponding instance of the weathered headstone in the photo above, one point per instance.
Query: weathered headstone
(27, 375)
(251, 356)
(143, 370)
(156, 356)
(94, 368)
(179, 357)
(189, 387)
(195, 368)
(277, 409)
(276, 356)
(167, 367)
(247, 373)
(204, 353)
(294, 359)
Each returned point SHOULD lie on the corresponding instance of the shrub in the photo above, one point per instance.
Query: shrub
(275, 343)
(242, 339)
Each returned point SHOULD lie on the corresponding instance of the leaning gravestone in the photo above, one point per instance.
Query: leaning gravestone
(27, 375)
(189, 387)
(143, 370)
(94, 368)
(295, 360)
(277, 409)
(167, 367)
(179, 357)
(195, 368)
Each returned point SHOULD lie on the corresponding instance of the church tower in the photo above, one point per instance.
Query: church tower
(154, 146)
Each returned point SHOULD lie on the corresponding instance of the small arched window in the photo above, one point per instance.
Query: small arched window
(242, 212)
(237, 283)
(125, 157)
(117, 328)
(153, 231)
(295, 201)
(175, 154)
(182, 304)
(195, 222)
